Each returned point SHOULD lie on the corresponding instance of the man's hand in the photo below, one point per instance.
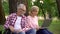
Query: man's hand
(18, 30)
(11, 28)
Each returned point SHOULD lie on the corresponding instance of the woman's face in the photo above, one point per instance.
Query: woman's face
(34, 13)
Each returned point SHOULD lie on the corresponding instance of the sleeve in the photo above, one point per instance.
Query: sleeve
(37, 25)
(27, 27)
(7, 22)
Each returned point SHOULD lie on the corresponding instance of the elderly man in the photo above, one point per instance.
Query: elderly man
(16, 21)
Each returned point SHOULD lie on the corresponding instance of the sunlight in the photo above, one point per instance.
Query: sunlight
(33, 0)
(41, 1)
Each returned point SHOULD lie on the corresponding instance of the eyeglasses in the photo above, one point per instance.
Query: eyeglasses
(22, 9)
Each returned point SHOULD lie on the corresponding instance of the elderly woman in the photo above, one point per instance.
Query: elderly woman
(32, 20)
(16, 21)
(32, 23)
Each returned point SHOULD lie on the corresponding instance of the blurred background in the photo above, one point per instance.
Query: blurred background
(49, 12)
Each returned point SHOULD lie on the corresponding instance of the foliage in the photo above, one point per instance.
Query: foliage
(6, 7)
(29, 4)
(47, 6)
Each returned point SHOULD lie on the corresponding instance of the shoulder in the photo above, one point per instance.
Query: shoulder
(24, 17)
(28, 16)
(12, 15)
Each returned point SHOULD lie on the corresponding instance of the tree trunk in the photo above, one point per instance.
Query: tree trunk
(58, 5)
(2, 15)
(12, 6)
(48, 20)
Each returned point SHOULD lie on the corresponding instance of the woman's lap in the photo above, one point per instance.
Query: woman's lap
(31, 31)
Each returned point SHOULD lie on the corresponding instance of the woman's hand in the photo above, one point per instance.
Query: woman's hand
(38, 27)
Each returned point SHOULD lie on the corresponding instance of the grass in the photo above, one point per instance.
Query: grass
(54, 27)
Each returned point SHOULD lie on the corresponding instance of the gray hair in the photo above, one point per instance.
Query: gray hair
(35, 8)
(21, 6)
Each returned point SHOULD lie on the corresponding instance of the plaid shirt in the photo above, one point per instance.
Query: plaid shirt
(12, 19)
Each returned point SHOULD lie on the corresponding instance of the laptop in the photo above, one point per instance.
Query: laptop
(46, 23)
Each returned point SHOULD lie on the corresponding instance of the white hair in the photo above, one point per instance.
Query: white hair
(21, 6)
(35, 8)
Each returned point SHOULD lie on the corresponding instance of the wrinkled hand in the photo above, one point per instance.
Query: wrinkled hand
(11, 28)
(38, 27)
(19, 30)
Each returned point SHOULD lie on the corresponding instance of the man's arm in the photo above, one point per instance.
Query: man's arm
(26, 25)
(7, 23)
(11, 28)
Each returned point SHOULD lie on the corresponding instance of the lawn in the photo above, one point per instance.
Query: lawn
(54, 27)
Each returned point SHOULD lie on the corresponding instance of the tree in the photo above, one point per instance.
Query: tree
(12, 6)
(58, 5)
(2, 15)
(45, 6)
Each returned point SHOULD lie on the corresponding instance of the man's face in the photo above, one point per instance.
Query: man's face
(21, 11)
